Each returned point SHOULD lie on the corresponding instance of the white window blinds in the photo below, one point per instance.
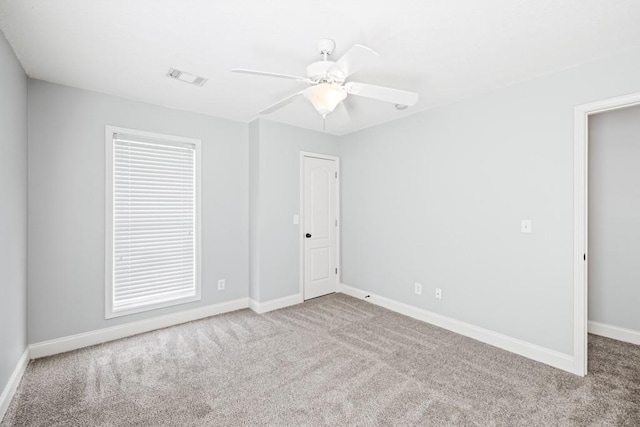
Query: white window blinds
(154, 228)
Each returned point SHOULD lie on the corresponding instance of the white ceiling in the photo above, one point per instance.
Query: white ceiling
(443, 49)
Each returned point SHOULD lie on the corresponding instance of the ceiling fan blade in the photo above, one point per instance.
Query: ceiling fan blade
(288, 100)
(381, 93)
(356, 58)
(267, 74)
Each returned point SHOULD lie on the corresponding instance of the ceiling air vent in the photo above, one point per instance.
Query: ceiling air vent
(186, 77)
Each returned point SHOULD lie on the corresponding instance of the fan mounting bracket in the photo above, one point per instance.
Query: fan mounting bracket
(326, 46)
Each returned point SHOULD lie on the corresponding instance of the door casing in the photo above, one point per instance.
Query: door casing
(580, 260)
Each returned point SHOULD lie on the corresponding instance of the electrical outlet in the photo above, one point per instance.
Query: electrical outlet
(438, 293)
(417, 288)
(221, 284)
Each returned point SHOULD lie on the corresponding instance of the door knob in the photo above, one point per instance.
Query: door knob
(308, 235)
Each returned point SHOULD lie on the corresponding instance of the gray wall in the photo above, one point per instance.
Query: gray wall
(614, 218)
(437, 198)
(278, 242)
(254, 210)
(67, 204)
(13, 211)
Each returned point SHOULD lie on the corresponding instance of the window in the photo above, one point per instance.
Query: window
(153, 221)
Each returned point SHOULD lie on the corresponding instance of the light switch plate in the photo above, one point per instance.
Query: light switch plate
(525, 226)
(296, 219)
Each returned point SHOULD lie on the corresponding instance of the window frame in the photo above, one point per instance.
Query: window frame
(110, 131)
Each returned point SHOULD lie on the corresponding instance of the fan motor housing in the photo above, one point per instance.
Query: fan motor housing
(319, 71)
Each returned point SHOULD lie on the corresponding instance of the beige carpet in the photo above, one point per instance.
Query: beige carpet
(331, 361)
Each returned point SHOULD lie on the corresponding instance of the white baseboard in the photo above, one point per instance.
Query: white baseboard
(532, 351)
(86, 339)
(614, 332)
(14, 381)
(274, 304)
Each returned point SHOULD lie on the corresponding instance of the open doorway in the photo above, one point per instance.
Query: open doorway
(601, 213)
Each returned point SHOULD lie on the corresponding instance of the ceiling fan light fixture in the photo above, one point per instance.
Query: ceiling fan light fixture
(325, 97)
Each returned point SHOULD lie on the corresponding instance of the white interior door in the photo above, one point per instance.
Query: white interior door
(320, 226)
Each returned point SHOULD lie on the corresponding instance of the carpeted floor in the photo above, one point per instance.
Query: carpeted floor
(331, 361)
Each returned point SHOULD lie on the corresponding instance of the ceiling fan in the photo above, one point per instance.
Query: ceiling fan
(328, 85)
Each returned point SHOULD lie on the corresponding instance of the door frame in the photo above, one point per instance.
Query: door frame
(580, 214)
(304, 154)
